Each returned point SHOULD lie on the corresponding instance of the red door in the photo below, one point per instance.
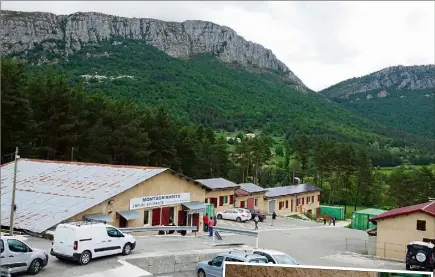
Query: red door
(166, 213)
(196, 221)
(181, 221)
(155, 219)
(250, 203)
(213, 201)
(242, 204)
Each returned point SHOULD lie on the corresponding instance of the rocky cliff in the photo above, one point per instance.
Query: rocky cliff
(22, 31)
(396, 77)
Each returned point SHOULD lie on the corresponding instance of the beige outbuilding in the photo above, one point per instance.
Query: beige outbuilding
(398, 227)
(220, 193)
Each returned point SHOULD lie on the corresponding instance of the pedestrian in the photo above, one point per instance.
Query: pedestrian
(256, 219)
(324, 219)
(205, 220)
(333, 220)
(273, 217)
(210, 226)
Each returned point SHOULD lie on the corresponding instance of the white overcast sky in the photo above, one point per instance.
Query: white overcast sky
(321, 42)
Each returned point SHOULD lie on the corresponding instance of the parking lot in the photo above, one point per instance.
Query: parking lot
(308, 242)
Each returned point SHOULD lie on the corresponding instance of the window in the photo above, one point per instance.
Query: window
(257, 261)
(221, 200)
(146, 217)
(2, 246)
(312, 199)
(303, 201)
(298, 202)
(308, 200)
(318, 198)
(256, 202)
(286, 204)
(228, 259)
(206, 200)
(113, 233)
(17, 246)
(225, 200)
(231, 199)
(421, 225)
(217, 261)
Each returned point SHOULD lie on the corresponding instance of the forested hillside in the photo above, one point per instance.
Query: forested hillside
(206, 91)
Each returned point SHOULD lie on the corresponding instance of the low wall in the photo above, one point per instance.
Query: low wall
(164, 263)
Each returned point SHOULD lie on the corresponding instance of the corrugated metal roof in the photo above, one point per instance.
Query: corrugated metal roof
(49, 192)
(288, 190)
(195, 207)
(129, 215)
(251, 188)
(218, 183)
(428, 208)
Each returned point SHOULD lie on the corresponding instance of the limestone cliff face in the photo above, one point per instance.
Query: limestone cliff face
(22, 31)
(420, 77)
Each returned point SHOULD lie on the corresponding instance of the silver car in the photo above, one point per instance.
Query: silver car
(275, 257)
(20, 257)
(215, 267)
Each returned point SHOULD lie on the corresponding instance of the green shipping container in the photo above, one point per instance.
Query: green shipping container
(338, 212)
(360, 219)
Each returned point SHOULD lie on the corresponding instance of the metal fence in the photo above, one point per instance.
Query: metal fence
(372, 247)
(5, 271)
(242, 232)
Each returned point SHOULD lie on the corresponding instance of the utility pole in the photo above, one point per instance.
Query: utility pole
(14, 186)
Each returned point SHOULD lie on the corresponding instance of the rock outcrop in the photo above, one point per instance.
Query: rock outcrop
(22, 31)
(396, 77)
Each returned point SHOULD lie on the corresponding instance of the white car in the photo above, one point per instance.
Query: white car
(275, 257)
(238, 215)
(83, 241)
(20, 257)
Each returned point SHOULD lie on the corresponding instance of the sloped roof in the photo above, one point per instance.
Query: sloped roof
(371, 211)
(218, 183)
(252, 188)
(288, 190)
(49, 192)
(428, 208)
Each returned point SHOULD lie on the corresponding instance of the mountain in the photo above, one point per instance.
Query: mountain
(401, 97)
(230, 89)
(21, 31)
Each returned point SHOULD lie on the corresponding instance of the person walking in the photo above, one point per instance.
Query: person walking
(324, 219)
(273, 218)
(210, 226)
(256, 219)
(333, 220)
(205, 220)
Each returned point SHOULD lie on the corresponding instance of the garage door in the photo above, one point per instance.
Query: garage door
(272, 205)
(251, 203)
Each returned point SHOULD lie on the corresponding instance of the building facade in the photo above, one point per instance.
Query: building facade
(250, 196)
(287, 200)
(220, 193)
(398, 227)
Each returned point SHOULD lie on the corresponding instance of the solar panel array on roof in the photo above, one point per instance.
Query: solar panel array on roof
(288, 190)
(218, 183)
(49, 192)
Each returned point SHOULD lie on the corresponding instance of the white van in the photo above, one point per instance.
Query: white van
(82, 241)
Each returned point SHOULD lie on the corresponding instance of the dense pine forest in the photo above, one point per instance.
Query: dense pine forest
(49, 117)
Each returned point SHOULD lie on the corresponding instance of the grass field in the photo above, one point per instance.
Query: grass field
(388, 170)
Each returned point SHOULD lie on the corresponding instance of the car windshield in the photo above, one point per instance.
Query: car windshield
(284, 259)
(258, 261)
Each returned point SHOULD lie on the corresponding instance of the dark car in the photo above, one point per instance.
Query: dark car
(260, 213)
(420, 255)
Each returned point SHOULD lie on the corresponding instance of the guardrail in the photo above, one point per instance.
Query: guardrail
(5, 271)
(237, 231)
(158, 228)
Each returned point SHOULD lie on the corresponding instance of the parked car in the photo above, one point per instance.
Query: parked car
(261, 214)
(420, 255)
(238, 215)
(20, 257)
(215, 267)
(275, 257)
(83, 241)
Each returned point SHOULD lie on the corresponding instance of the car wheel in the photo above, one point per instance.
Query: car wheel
(35, 266)
(238, 219)
(408, 267)
(219, 216)
(201, 273)
(127, 249)
(85, 258)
